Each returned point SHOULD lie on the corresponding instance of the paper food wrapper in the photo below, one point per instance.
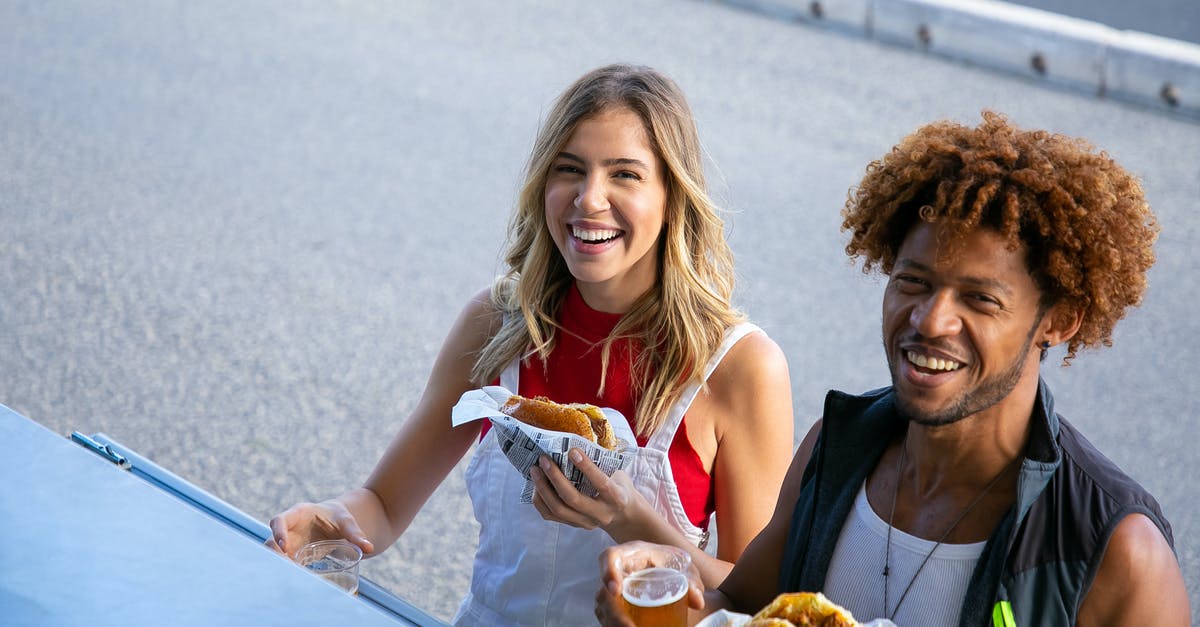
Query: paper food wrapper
(725, 618)
(524, 444)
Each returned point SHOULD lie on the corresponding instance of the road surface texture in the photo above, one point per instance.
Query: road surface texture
(233, 235)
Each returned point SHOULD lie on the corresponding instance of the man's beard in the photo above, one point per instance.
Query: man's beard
(986, 394)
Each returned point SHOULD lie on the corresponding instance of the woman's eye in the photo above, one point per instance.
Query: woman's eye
(567, 168)
(633, 176)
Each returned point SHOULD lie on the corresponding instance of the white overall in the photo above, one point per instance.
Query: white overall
(529, 571)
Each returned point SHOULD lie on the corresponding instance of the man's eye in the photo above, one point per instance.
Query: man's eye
(983, 300)
(907, 282)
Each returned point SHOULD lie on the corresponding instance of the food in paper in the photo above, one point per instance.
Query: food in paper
(793, 609)
(802, 609)
(524, 443)
(724, 618)
(579, 418)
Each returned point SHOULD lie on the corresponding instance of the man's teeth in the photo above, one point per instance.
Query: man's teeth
(932, 363)
(594, 235)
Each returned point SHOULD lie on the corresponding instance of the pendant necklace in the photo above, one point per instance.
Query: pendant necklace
(887, 556)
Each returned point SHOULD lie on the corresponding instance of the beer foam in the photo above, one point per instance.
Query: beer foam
(654, 587)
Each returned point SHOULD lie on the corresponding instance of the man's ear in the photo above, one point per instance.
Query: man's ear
(1060, 323)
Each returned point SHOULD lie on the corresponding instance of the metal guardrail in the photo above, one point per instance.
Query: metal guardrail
(236, 519)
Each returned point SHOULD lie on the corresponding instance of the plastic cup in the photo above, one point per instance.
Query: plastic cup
(655, 585)
(335, 561)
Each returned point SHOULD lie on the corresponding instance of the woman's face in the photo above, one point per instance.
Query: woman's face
(605, 207)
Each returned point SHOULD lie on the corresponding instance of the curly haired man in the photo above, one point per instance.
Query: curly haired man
(957, 495)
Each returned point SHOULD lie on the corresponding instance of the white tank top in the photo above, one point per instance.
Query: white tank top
(529, 571)
(855, 577)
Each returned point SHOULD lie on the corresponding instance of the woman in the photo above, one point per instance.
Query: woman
(618, 295)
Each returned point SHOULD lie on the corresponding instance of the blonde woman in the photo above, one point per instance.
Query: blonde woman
(618, 295)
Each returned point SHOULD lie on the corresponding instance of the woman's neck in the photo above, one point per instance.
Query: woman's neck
(608, 298)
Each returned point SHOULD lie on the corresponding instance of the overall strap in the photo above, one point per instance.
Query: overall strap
(661, 440)
(511, 375)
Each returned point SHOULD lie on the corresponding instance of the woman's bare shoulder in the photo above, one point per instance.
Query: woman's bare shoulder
(754, 364)
(757, 352)
(481, 312)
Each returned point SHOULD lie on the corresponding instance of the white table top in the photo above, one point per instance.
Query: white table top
(86, 543)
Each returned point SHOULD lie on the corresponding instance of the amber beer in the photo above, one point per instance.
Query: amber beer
(656, 597)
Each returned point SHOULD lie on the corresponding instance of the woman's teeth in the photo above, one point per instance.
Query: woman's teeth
(594, 236)
(932, 363)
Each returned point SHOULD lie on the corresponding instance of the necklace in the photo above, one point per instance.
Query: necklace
(887, 556)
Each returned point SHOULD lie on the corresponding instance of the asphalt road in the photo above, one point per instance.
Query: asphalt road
(1176, 19)
(232, 235)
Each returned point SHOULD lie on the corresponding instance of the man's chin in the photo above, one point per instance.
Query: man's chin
(928, 415)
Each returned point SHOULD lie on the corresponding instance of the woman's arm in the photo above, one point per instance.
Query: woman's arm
(746, 416)
(750, 395)
(417, 460)
(754, 580)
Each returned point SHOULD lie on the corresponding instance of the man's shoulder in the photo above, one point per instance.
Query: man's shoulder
(865, 399)
(856, 419)
(872, 404)
(1089, 471)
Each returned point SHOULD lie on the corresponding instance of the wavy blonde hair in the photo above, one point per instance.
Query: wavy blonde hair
(682, 319)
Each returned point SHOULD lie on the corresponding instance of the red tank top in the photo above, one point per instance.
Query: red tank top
(572, 375)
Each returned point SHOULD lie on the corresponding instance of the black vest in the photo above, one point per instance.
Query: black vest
(1043, 554)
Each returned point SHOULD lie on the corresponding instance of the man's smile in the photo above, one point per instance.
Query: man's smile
(931, 363)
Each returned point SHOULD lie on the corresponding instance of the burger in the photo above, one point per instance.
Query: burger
(803, 609)
(586, 421)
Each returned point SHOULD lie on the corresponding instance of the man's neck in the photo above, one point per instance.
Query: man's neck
(971, 451)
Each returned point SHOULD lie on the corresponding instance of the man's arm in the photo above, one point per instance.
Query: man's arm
(1139, 581)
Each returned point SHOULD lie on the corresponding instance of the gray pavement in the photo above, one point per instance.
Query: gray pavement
(1177, 19)
(232, 235)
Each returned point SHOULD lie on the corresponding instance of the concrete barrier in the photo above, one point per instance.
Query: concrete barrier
(1061, 51)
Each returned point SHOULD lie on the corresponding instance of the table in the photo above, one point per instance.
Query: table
(112, 539)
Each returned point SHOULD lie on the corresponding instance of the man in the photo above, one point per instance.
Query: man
(958, 496)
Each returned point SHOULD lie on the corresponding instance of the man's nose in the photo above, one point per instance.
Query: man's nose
(937, 316)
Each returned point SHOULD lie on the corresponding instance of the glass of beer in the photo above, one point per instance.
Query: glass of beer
(335, 561)
(655, 585)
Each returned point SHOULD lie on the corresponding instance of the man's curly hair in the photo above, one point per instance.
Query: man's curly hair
(1083, 219)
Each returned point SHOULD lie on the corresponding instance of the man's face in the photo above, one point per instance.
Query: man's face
(958, 333)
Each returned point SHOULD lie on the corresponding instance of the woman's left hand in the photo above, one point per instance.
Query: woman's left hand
(614, 508)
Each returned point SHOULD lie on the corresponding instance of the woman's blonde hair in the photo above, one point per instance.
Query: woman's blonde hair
(681, 320)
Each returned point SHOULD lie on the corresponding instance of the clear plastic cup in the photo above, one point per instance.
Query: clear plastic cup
(655, 585)
(335, 561)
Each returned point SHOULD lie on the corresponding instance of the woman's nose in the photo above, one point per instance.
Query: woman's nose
(592, 196)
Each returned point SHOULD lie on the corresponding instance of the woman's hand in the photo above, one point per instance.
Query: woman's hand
(309, 522)
(610, 606)
(616, 508)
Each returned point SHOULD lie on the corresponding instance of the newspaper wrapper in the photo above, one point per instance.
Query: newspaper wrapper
(725, 618)
(523, 444)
